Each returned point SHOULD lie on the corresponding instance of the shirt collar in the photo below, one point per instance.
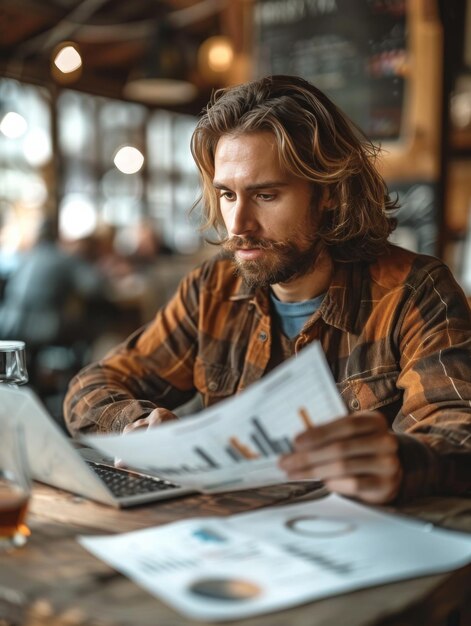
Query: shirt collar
(257, 296)
(341, 305)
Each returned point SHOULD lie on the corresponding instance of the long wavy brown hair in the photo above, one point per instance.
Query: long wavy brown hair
(316, 142)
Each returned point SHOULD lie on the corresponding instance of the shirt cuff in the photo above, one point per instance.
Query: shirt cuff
(119, 414)
(421, 468)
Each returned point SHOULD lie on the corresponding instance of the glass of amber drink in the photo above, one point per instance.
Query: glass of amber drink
(15, 484)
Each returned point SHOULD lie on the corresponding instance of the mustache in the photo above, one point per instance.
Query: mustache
(249, 243)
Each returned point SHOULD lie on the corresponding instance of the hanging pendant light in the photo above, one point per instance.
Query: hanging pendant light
(163, 78)
(66, 62)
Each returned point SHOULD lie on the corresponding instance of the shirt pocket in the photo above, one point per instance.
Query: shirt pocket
(373, 392)
(214, 381)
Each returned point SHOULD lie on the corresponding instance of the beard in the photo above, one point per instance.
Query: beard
(282, 262)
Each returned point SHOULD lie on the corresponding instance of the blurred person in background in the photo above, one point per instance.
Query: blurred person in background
(141, 244)
(53, 298)
(134, 268)
(138, 249)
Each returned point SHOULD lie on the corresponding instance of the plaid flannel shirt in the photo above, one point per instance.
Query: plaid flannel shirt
(396, 334)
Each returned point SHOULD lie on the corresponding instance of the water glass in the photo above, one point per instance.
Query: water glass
(15, 484)
(13, 363)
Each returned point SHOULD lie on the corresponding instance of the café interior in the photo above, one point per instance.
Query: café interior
(98, 100)
(100, 218)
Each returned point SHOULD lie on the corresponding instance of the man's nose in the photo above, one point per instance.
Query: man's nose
(243, 220)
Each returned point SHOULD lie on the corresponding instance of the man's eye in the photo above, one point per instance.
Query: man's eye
(227, 195)
(266, 197)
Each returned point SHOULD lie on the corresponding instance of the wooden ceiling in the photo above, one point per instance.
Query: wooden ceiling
(114, 38)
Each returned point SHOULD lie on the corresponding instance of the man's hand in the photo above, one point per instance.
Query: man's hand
(156, 417)
(356, 455)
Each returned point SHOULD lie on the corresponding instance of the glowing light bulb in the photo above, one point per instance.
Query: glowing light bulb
(216, 54)
(13, 125)
(68, 59)
(129, 160)
(220, 55)
(77, 217)
(37, 147)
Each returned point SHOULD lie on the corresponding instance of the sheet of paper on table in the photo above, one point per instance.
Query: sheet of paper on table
(229, 568)
(236, 443)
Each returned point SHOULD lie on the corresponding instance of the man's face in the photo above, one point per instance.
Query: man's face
(268, 212)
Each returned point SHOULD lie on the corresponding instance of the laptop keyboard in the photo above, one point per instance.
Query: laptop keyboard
(124, 483)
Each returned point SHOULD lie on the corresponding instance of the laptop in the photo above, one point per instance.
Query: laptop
(56, 461)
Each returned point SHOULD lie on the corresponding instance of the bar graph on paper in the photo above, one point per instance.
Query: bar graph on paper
(262, 445)
(239, 440)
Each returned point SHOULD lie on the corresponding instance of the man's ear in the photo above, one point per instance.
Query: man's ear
(324, 203)
(327, 201)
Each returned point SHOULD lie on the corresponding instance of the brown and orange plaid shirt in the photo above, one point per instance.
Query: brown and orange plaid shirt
(396, 334)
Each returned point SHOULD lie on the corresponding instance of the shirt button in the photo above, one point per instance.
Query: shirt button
(263, 336)
(212, 385)
(355, 405)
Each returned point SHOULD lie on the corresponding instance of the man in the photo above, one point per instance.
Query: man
(291, 187)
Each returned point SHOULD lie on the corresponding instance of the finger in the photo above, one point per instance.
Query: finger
(372, 445)
(140, 423)
(343, 428)
(386, 465)
(371, 489)
(155, 417)
(158, 416)
(120, 463)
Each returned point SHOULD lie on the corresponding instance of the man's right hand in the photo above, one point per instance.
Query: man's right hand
(158, 416)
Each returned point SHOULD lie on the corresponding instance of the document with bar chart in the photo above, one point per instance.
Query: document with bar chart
(236, 443)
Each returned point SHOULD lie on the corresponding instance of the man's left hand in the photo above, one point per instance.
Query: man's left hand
(356, 456)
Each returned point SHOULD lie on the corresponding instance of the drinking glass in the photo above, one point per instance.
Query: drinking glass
(15, 484)
(13, 363)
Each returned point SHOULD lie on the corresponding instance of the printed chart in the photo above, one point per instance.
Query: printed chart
(262, 445)
(227, 568)
(236, 443)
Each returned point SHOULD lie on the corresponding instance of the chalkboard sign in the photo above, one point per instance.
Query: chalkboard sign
(353, 50)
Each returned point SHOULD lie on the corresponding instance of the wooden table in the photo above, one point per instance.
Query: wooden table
(53, 581)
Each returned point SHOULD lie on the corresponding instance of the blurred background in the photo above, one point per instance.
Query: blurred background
(98, 100)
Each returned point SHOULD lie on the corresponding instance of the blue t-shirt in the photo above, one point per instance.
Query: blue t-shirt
(293, 315)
